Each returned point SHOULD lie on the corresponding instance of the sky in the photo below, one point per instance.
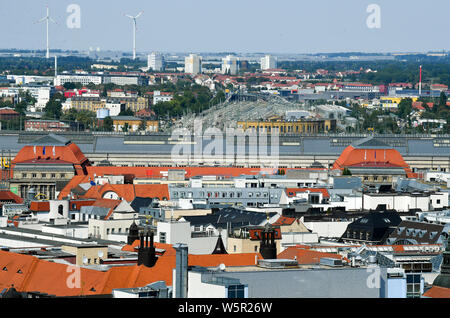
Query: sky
(241, 26)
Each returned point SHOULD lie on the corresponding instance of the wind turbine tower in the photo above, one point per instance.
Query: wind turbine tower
(134, 31)
(46, 19)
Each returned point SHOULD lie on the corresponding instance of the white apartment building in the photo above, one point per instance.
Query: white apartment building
(268, 62)
(83, 79)
(193, 64)
(230, 65)
(155, 61)
(161, 97)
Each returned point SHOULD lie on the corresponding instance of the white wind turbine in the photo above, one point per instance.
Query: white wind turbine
(47, 18)
(134, 31)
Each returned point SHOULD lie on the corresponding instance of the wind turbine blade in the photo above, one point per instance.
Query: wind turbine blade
(129, 16)
(139, 14)
(41, 20)
(52, 20)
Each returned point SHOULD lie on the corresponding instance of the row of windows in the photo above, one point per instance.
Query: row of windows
(223, 194)
(42, 175)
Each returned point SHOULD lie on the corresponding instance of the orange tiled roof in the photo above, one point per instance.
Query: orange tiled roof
(129, 191)
(69, 153)
(40, 206)
(283, 220)
(353, 157)
(28, 273)
(437, 292)
(306, 256)
(314, 190)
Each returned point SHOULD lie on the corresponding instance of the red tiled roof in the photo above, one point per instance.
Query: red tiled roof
(283, 220)
(40, 206)
(306, 256)
(292, 192)
(437, 292)
(6, 195)
(28, 273)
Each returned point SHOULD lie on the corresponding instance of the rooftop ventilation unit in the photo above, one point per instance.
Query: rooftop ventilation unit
(328, 261)
(277, 263)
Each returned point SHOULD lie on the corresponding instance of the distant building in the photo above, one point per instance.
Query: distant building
(268, 62)
(155, 61)
(7, 113)
(82, 79)
(132, 123)
(161, 97)
(193, 64)
(46, 125)
(230, 65)
(302, 126)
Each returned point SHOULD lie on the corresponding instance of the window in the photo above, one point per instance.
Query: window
(413, 285)
(24, 175)
(33, 175)
(162, 237)
(236, 291)
(63, 175)
(44, 175)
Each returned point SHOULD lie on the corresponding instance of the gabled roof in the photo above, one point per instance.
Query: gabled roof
(306, 256)
(50, 140)
(30, 274)
(437, 292)
(370, 143)
(6, 195)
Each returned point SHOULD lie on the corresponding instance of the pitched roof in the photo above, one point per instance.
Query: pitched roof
(6, 195)
(129, 191)
(291, 192)
(28, 273)
(437, 292)
(306, 256)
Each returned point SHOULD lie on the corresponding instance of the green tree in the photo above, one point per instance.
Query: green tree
(108, 124)
(126, 112)
(443, 99)
(346, 172)
(143, 125)
(405, 108)
(53, 108)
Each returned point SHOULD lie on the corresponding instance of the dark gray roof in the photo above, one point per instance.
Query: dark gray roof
(416, 233)
(228, 216)
(347, 183)
(309, 145)
(370, 143)
(50, 140)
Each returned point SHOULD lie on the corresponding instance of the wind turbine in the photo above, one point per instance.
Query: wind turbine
(47, 18)
(134, 31)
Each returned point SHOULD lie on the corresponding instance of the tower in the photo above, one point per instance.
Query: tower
(133, 233)
(268, 247)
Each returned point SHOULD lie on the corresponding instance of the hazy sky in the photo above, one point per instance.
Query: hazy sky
(278, 26)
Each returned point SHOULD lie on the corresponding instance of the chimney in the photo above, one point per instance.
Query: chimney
(146, 252)
(181, 271)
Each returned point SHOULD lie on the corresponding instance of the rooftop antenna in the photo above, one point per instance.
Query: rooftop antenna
(56, 66)
(46, 19)
(420, 81)
(134, 31)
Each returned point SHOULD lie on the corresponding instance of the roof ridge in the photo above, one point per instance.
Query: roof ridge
(28, 276)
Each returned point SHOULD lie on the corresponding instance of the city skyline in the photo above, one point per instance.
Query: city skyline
(257, 27)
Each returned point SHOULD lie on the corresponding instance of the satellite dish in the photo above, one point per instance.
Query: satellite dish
(100, 253)
(84, 260)
(222, 266)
